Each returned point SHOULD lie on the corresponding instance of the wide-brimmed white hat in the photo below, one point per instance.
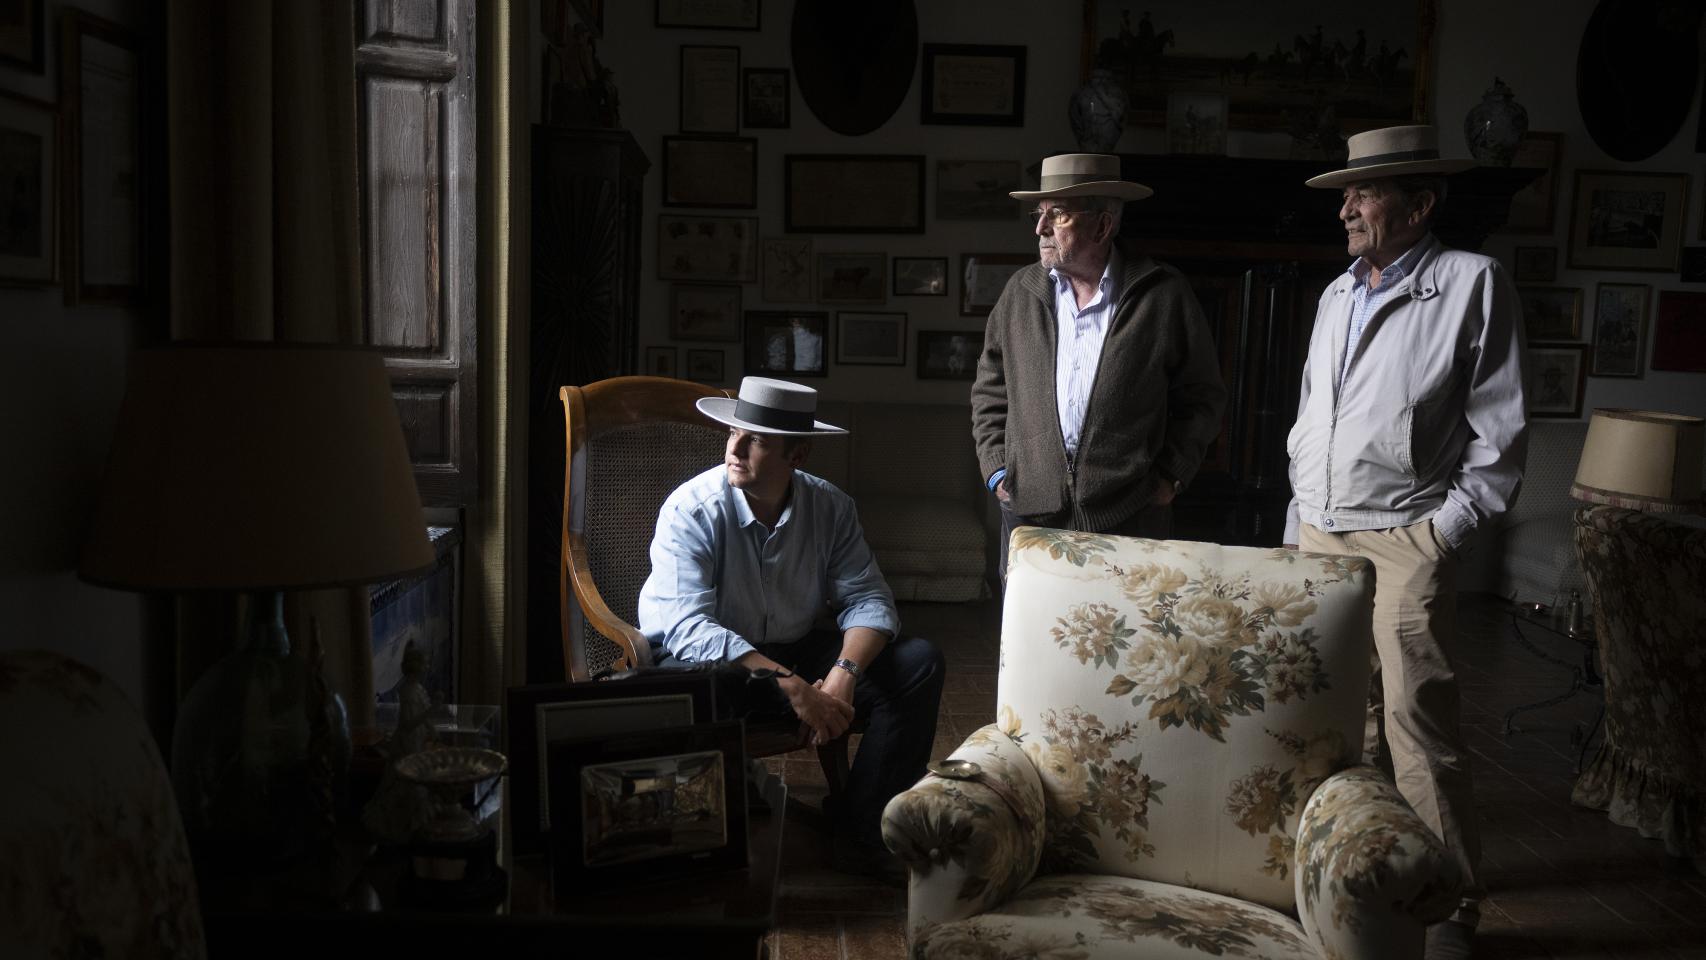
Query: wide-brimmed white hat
(769, 406)
(1391, 152)
(1082, 175)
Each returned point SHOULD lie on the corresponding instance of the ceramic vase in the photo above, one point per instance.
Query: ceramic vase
(1495, 126)
(1097, 112)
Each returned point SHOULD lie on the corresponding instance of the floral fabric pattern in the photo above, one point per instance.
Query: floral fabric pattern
(1644, 576)
(1180, 708)
(95, 855)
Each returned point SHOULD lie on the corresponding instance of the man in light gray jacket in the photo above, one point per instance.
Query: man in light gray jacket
(1410, 436)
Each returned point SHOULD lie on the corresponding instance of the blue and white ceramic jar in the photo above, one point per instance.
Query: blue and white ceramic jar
(1495, 126)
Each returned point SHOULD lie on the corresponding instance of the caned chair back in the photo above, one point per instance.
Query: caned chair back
(631, 441)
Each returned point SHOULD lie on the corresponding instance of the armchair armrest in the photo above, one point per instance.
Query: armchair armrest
(635, 651)
(1370, 874)
(966, 846)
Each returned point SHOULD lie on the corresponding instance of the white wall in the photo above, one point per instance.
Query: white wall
(61, 379)
(1531, 44)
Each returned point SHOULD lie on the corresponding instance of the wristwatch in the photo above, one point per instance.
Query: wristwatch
(956, 769)
(850, 667)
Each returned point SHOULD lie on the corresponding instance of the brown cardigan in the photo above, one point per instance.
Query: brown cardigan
(1154, 407)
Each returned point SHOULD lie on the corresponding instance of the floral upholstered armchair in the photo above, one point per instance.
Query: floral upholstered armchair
(1172, 771)
(1644, 575)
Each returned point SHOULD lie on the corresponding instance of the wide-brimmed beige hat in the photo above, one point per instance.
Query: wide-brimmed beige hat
(770, 406)
(1083, 175)
(1391, 152)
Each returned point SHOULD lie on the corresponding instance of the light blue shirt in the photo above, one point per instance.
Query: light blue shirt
(1078, 348)
(722, 582)
(1366, 299)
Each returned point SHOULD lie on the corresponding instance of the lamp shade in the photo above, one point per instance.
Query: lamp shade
(256, 467)
(1642, 460)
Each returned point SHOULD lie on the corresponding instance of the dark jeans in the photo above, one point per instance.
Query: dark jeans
(895, 702)
(1154, 521)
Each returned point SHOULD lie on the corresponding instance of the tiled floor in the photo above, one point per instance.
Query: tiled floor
(1562, 882)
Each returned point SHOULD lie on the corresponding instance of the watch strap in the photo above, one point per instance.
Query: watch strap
(851, 667)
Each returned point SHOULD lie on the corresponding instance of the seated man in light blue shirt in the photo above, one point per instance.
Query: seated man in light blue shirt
(747, 557)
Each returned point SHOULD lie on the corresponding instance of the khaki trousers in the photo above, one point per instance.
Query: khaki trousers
(1412, 730)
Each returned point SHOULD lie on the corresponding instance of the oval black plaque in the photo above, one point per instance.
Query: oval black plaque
(854, 60)
(1636, 73)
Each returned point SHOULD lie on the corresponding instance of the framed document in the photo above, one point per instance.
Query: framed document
(710, 89)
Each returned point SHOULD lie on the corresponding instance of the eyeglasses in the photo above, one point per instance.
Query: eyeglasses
(1056, 216)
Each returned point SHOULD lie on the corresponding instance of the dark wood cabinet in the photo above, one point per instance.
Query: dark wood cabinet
(587, 211)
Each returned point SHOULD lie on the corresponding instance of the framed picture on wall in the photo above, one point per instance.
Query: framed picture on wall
(722, 249)
(101, 233)
(1619, 329)
(29, 167)
(708, 14)
(973, 83)
(710, 172)
(705, 366)
(660, 361)
(949, 354)
(851, 277)
(1554, 377)
(766, 95)
(1627, 221)
(710, 89)
(1679, 334)
(1551, 313)
(977, 190)
(1535, 264)
(787, 343)
(870, 339)
(920, 276)
(984, 275)
(1534, 208)
(21, 31)
(704, 311)
(853, 193)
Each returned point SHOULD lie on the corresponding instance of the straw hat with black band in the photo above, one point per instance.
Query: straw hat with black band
(1391, 152)
(770, 406)
(1082, 175)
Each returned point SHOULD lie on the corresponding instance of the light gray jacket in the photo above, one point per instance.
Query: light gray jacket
(1429, 421)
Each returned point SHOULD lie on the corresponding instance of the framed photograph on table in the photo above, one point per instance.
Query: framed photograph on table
(708, 14)
(100, 102)
(29, 169)
(1553, 379)
(21, 31)
(1534, 208)
(1627, 221)
(984, 275)
(718, 249)
(949, 354)
(640, 805)
(1619, 329)
(1535, 264)
(787, 343)
(710, 172)
(710, 89)
(977, 190)
(851, 277)
(766, 95)
(973, 84)
(853, 193)
(704, 311)
(788, 269)
(1679, 334)
(920, 276)
(705, 366)
(540, 715)
(870, 339)
(1551, 313)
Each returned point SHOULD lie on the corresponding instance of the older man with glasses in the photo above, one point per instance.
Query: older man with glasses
(1098, 390)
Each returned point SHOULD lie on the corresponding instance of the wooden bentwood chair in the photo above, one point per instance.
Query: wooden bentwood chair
(631, 441)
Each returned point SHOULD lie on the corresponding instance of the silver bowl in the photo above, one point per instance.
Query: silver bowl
(450, 767)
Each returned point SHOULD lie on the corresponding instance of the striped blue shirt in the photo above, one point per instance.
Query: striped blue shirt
(1365, 299)
(1078, 348)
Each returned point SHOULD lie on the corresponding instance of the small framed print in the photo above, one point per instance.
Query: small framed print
(1196, 123)
(977, 190)
(100, 235)
(851, 277)
(646, 804)
(1554, 378)
(920, 276)
(788, 269)
(852, 193)
(705, 366)
(708, 14)
(1551, 313)
(704, 311)
(710, 172)
(949, 354)
(1534, 208)
(787, 342)
(1627, 221)
(1619, 329)
(973, 84)
(29, 168)
(1535, 264)
(870, 339)
(765, 97)
(660, 361)
(710, 89)
(1679, 332)
(722, 249)
(984, 275)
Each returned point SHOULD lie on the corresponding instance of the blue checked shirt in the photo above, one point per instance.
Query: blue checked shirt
(1365, 299)
(722, 582)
